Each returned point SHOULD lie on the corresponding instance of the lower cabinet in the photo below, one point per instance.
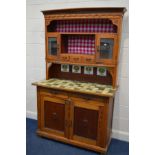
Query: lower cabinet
(74, 120)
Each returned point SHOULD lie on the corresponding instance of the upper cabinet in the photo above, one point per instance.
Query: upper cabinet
(89, 36)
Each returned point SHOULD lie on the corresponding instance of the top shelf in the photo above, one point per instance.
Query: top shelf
(82, 26)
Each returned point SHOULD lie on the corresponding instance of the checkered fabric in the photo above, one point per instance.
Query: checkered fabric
(81, 44)
(86, 25)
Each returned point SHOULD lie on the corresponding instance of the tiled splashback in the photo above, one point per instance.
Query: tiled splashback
(101, 71)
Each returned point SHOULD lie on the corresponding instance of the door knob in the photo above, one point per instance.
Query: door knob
(54, 115)
(85, 122)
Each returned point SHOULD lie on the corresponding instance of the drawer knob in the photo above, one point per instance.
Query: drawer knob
(85, 122)
(54, 116)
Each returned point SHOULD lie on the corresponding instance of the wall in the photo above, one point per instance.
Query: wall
(35, 56)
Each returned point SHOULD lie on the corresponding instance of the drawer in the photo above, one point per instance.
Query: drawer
(75, 59)
(53, 93)
(88, 98)
(88, 59)
(64, 57)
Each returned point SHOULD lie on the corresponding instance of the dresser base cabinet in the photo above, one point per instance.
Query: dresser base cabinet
(75, 118)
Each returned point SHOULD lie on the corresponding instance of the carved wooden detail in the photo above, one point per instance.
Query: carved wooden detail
(47, 22)
(49, 64)
(112, 72)
(115, 21)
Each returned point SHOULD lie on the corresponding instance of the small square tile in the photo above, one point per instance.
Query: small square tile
(101, 71)
(88, 70)
(64, 68)
(76, 69)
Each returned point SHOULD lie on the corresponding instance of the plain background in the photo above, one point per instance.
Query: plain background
(13, 77)
(35, 56)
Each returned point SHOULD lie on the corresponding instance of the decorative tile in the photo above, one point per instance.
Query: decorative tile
(88, 70)
(64, 68)
(76, 69)
(101, 71)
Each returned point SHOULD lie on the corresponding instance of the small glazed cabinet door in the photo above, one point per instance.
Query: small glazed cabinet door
(53, 46)
(106, 48)
(54, 115)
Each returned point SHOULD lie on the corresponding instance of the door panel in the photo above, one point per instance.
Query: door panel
(53, 44)
(106, 48)
(54, 115)
(85, 122)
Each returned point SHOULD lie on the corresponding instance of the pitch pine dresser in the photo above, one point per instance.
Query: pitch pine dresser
(75, 102)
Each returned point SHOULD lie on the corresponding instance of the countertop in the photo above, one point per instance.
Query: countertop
(76, 86)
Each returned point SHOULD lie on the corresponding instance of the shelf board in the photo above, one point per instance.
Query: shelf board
(81, 64)
(80, 33)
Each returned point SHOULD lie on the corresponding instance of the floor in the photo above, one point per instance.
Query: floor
(36, 145)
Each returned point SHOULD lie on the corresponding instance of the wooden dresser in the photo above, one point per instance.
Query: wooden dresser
(75, 102)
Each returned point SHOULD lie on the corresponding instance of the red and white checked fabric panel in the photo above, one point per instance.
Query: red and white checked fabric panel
(86, 25)
(81, 44)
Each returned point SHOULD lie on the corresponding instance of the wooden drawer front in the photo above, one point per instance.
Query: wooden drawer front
(75, 59)
(85, 123)
(65, 58)
(88, 59)
(81, 99)
(54, 93)
(54, 115)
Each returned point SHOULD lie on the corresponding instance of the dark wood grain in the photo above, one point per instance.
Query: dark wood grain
(54, 115)
(85, 122)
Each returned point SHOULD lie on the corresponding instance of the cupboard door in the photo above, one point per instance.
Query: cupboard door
(54, 116)
(53, 44)
(106, 48)
(85, 122)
